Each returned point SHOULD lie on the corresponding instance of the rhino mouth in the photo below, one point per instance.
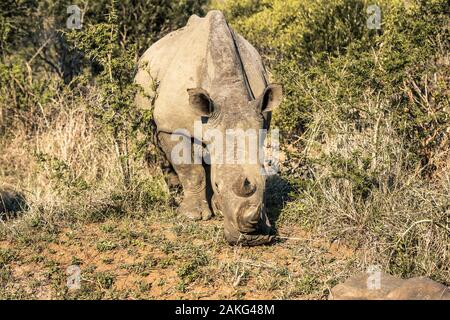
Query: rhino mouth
(238, 238)
(253, 233)
(245, 228)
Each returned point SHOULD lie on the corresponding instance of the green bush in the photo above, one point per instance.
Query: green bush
(364, 122)
(66, 100)
(323, 53)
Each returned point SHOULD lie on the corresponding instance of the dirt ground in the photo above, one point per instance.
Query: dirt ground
(168, 258)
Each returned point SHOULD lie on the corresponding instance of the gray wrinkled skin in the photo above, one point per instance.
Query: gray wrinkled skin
(205, 70)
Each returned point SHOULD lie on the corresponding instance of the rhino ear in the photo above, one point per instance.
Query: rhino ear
(200, 101)
(271, 97)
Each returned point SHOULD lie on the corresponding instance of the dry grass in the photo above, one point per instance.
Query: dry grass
(68, 169)
(365, 188)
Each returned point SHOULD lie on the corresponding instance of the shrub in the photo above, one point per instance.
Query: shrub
(69, 132)
(324, 54)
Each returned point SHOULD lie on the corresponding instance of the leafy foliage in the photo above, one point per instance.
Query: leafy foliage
(44, 61)
(324, 54)
(364, 121)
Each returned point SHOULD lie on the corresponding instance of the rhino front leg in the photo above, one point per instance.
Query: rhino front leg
(193, 180)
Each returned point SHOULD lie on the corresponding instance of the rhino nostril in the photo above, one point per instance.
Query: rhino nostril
(243, 187)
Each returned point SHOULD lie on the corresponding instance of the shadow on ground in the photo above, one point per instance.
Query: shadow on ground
(11, 203)
(277, 194)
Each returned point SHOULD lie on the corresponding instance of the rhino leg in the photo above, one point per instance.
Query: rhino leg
(193, 180)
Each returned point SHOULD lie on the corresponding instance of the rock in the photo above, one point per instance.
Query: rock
(420, 288)
(360, 287)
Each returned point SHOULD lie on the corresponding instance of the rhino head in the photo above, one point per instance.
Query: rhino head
(238, 188)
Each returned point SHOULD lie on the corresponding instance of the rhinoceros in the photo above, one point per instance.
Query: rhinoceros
(207, 73)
